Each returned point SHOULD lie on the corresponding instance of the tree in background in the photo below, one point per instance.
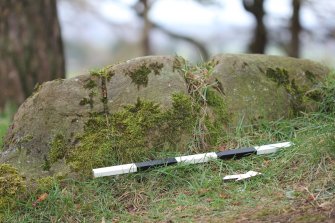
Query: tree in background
(294, 49)
(31, 48)
(259, 41)
(142, 8)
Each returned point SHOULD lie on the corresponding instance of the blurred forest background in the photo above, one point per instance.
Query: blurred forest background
(42, 40)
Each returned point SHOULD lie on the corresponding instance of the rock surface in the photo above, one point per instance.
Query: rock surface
(249, 87)
(267, 87)
(150, 78)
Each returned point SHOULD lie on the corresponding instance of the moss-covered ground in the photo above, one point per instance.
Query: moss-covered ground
(297, 184)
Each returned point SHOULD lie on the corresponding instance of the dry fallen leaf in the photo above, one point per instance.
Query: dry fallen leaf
(180, 208)
(326, 205)
(209, 200)
(236, 203)
(131, 208)
(266, 163)
(202, 191)
(41, 198)
(224, 196)
(115, 220)
(310, 198)
(222, 148)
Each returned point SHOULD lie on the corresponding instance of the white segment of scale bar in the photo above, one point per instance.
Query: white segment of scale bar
(198, 158)
(115, 170)
(271, 148)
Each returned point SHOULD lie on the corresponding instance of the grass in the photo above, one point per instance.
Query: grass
(4, 122)
(297, 185)
(3, 129)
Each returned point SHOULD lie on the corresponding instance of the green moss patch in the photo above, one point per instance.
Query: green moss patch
(87, 101)
(310, 76)
(11, 184)
(297, 94)
(137, 132)
(278, 75)
(10, 180)
(139, 76)
(90, 84)
(106, 72)
(57, 148)
(44, 184)
(208, 96)
(216, 122)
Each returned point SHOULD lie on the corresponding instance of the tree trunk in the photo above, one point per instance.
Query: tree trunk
(294, 50)
(256, 8)
(31, 48)
(146, 28)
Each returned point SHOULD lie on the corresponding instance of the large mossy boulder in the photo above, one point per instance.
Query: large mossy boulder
(267, 87)
(152, 106)
(50, 122)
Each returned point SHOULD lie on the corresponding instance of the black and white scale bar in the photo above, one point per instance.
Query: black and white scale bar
(192, 159)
